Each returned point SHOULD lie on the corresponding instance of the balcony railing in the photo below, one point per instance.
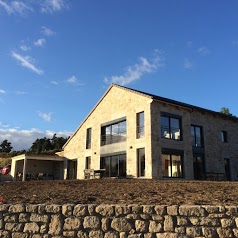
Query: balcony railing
(110, 139)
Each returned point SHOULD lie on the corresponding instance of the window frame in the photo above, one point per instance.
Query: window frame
(170, 116)
(194, 142)
(108, 134)
(88, 162)
(171, 153)
(89, 138)
(140, 125)
(140, 162)
(224, 136)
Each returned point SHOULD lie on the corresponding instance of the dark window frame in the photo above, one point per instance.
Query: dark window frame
(110, 136)
(195, 137)
(140, 162)
(170, 131)
(89, 138)
(140, 125)
(172, 152)
(224, 136)
(88, 162)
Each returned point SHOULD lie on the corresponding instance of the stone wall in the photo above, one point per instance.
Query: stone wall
(117, 221)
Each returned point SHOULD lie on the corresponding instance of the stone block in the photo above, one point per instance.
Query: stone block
(72, 223)
(121, 225)
(24, 217)
(224, 232)
(82, 234)
(168, 223)
(91, 209)
(16, 208)
(155, 226)
(53, 208)
(172, 210)
(161, 210)
(95, 234)
(227, 223)
(67, 210)
(19, 235)
(122, 210)
(141, 226)
(69, 233)
(32, 208)
(10, 218)
(91, 222)
(39, 218)
(111, 234)
(209, 232)
(31, 228)
(80, 210)
(4, 207)
(148, 209)
(14, 227)
(105, 223)
(192, 211)
(194, 231)
(167, 235)
(56, 225)
(105, 210)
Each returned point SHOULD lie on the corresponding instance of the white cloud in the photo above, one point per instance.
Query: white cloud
(2, 91)
(187, 64)
(21, 92)
(40, 42)
(54, 82)
(25, 61)
(50, 6)
(25, 48)
(72, 80)
(203, 51)
(21, 7)
(47, 31)
(16, 7)
(135, 72)
(23, 139)
(45, 116)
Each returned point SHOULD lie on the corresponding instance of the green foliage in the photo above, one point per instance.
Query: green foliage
(5, 146)
(225, 110)
(47, 146)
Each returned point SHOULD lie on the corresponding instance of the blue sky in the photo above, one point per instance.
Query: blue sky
(58, 57)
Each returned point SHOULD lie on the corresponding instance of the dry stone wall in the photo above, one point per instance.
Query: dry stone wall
(117, 221)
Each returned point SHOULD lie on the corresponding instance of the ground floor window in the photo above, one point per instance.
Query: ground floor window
(172, 165)
(115, 165)
(141, 162)
(198, 167)
(227, 169)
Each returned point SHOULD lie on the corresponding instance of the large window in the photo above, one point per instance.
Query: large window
(170, 127)
(141, 162)
(88, 138)
(115, 166)
(197, 138)
(172, 165)
(140, 125)
(113, 133)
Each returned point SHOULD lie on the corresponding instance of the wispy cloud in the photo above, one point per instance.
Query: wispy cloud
(203, 51)
(25, 61)
(187, 64)
(21, 93)
(40, 42)
(45, 116)
(54, 82)
(23, 139)
(135, 72)
(51, 6)
(72, 80)
(189, 44)
(47, 31)
(25, 48)
(16, 7)
(2, 91)
(21, 7)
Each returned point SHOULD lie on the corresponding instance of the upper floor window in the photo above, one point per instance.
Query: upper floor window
(88, 138)
(197, 138)
(170, 127)
(113, 133)
(140, 124)
(224, 136)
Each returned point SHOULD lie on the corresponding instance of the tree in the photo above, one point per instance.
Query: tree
(225, 110)
(5, 146)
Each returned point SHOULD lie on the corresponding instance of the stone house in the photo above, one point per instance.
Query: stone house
(134, 134)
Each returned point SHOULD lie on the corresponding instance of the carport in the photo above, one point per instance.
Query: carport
(38, 167)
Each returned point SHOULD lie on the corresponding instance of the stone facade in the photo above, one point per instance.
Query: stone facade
(217, 157)
(118, 221)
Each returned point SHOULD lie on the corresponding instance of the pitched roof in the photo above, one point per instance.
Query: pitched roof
(156, 98)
